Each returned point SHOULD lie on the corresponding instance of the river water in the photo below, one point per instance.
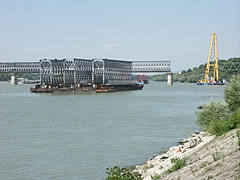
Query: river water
(77, 136)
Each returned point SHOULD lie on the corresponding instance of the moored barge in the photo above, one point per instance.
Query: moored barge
(85, 89)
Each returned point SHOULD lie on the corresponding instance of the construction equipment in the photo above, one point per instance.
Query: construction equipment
(212, 62)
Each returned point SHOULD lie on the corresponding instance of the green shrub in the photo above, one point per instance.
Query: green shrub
(234, 121)
(232, 93)
(218, 127)
(213, 117)
(125, 173)
(179, 163)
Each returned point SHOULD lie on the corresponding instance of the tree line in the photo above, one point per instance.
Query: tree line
(29, 76)
(195, 74)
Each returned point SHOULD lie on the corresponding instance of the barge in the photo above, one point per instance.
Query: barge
(82, 75)
(84, 89)
(210, 83)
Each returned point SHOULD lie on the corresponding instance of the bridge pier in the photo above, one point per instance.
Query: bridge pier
(13, 79)
(169, 79)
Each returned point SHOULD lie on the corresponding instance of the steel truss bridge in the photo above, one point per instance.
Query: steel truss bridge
(83, 71)
(229, 66)
(19, 67)
(137, 66)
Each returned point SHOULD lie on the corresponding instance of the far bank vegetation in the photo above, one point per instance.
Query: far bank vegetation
(197, 73)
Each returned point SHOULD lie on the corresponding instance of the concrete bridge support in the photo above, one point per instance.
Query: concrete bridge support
(13, 79)
(169, 79)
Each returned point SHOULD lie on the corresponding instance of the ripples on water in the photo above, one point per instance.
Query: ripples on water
(73, 136)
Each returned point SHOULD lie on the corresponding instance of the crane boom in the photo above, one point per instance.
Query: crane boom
(214, 64)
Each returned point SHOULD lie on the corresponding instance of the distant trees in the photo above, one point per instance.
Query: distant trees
(30, 76)
(197, 73)
(189, 70)
(4, 77)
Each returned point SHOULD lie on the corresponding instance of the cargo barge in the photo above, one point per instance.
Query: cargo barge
(210, 83)
(82, 75)
(85, 89)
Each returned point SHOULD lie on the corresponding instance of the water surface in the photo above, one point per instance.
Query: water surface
(73, 136)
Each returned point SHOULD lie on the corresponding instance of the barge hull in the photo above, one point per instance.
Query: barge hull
(77, 90)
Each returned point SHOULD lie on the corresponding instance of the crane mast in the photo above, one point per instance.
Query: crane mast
(214, 64)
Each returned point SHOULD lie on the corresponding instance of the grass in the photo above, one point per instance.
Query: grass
(157, 176)
(178, 164)
(217, 155)
(202, 165)
(208, 169)
(238, 135)
(194, 170)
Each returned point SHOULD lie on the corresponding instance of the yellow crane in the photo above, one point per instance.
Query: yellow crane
(210, 63)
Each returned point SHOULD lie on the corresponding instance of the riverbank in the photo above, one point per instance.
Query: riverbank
(207, 156)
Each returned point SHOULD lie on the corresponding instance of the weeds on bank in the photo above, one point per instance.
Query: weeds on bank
(157, 176)
(202, 165)
(194, 170)
(238, 135)
(117, 173)
(178, 164)
(208, 169)
(217, 155)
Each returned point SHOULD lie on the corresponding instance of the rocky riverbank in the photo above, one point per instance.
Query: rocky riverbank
(206, 156)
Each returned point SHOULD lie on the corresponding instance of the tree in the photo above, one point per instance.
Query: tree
(189, 70)
(232, 93)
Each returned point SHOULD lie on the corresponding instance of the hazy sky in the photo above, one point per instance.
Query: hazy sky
(176, 30)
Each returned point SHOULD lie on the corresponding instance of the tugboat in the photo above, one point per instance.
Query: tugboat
(142, 79)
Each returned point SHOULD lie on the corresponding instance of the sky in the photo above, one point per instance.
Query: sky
(175, 30)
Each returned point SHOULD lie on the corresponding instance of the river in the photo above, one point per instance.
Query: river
(77, 136)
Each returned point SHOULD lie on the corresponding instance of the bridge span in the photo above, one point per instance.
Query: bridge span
(40, 67)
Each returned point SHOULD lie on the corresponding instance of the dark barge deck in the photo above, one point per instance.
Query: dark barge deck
(101, 89)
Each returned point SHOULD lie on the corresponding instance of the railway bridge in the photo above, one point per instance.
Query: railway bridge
(73, 70)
